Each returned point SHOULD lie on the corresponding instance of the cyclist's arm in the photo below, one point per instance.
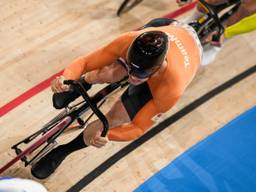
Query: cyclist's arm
(101, 57)
(140, 124)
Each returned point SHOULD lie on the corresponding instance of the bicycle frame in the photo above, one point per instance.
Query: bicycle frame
(65, 122)
(212, 20)
(49, 136)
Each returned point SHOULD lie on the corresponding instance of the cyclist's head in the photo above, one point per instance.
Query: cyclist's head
(147, 53)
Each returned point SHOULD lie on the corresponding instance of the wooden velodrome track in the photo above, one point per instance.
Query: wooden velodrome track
(39, 38)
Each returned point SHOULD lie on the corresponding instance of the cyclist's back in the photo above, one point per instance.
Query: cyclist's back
(183, 58)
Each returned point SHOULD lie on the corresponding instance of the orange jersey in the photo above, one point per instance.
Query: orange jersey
(183, 59)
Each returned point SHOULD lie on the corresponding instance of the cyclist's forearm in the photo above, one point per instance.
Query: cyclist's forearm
(108, 74)
(139, 125)
(92, 77)
(125, 132)
(75, 69)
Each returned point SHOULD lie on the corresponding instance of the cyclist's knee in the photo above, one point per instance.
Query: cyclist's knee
(117, 114)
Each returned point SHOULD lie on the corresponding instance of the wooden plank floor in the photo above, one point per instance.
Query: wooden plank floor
(39, 38)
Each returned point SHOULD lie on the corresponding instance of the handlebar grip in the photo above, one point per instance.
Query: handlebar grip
(85, 84)
(69, 82)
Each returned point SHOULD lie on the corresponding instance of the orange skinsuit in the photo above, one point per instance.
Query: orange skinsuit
(183, 58)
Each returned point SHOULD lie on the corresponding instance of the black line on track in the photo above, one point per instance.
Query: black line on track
(157, 129)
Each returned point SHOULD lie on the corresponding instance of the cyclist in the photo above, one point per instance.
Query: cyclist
(242, 21)
(160, 59)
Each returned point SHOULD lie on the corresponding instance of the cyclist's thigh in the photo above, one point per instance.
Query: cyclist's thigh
(117, 115)
(135, 97)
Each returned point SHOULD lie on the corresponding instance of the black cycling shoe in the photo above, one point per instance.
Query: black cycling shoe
(48, 164)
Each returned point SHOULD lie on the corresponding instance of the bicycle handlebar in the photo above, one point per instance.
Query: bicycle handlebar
(211, 10)
(77, 86)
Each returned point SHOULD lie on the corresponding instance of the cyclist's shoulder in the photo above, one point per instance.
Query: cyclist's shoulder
(169, 82)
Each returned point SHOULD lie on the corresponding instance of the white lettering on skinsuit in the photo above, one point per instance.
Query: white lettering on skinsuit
(180, 46)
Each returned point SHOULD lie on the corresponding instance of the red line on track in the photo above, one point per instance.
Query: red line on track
(28, 94)
(181, 10)
(46, 83)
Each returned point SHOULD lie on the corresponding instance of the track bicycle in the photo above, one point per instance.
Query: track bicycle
(44, 140)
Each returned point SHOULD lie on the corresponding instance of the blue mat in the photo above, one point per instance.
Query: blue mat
(223, 162)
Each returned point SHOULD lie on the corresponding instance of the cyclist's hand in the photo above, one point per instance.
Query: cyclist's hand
(183, 2)
(58, 86)
(209, 40)
(93, 137)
